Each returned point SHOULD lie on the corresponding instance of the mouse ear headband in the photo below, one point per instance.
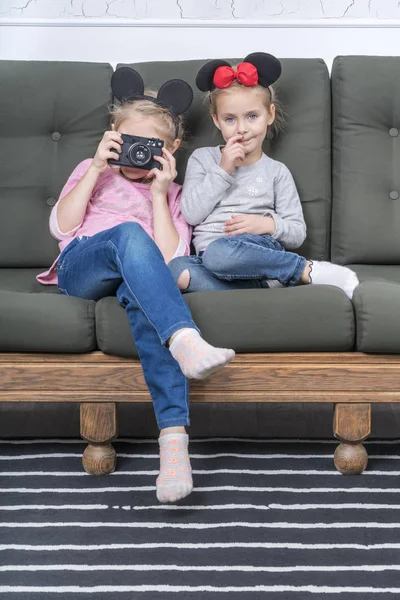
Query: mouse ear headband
(175, 95)
(258, 68)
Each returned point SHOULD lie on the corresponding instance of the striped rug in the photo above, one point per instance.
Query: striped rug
(267, 519)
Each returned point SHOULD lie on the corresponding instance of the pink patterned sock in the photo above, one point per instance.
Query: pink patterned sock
(175, 479)
(198, 359)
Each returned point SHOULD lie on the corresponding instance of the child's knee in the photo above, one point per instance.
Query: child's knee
(178, 267)
(129, 230)
(184, 280)
(131, 240)
(217, 256)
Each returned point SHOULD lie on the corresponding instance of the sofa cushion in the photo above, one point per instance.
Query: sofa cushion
(24, 280)
(305, 147)
(376, 305)
(62, 113)
(113, 333)
(366, 158)
(300, 319)
(377, 272)
(45, 323)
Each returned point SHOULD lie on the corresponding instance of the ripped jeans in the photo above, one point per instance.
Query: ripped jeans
(243, 261)
(125, 262)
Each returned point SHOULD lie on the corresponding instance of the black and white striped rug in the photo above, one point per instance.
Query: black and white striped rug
(267, 519)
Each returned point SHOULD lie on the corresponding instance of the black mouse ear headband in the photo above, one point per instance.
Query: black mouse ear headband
(175, 95)
(258, 68)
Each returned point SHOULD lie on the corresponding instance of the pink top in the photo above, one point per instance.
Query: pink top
(116, 200)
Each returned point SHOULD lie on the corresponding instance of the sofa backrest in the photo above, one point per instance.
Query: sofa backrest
(52, 116)
(366, 160)
(305, 146)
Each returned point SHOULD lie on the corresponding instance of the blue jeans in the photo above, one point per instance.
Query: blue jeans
(124, 261)
(239, 262)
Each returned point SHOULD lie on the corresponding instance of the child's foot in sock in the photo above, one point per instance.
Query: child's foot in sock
(196, 357)
(175, 479)
(326, 273)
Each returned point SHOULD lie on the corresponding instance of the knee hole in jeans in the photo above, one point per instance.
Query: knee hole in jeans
(184, 280)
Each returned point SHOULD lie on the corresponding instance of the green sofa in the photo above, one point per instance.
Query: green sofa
(300, 350)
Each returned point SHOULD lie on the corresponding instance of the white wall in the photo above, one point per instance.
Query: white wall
(200, 9)
(134, 30)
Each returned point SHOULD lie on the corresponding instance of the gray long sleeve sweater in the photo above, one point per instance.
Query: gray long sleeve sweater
(210, 197)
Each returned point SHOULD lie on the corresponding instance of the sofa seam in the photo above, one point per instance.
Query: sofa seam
(360, 333)
(91, 318)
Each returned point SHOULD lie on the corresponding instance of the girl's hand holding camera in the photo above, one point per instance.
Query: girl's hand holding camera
(162, 179)
(256, 224)
(109, 147)
(232, 154)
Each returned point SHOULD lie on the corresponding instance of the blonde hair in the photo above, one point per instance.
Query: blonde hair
(170, 125)
(268, 95)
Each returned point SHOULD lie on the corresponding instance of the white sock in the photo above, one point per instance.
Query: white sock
(196, 357)
(175, 479)
(274, 283)
(326, 273)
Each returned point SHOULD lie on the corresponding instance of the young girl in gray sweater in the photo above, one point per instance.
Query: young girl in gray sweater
(244, 206)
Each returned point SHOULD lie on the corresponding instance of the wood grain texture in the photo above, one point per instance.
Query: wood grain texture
(235, 377)
(351, 425)
(350, 381)
(99, 459)
(263, 358)
(99, 427)
(198, 396)
(347, 377)
(313, 377)
(352, 422)
(350, 459)
(98, 422)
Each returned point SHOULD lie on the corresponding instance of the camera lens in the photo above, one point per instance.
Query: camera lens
(139, 154)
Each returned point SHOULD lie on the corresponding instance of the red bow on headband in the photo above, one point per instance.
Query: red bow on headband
(246, 74)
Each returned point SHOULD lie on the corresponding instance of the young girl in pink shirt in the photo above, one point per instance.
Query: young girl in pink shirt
(118, 226)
